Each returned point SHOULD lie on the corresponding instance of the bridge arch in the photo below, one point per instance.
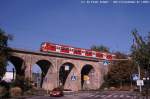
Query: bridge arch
(45, 66)
(66, 71)
(10, 70)
(19, 65)
(87, 75)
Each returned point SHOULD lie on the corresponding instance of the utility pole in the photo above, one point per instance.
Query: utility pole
(147, 80)
(139, 72)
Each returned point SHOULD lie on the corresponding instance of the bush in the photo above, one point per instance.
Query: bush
(24, 84)
(16, 91)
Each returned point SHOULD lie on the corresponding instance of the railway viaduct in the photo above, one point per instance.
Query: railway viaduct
(53, 67)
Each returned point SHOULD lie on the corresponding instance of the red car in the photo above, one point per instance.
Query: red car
(57, 92)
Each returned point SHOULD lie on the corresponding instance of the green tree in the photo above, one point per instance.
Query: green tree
(141, 50)
(120, 71)
(3, 51)
(100, 48)
(141, 54)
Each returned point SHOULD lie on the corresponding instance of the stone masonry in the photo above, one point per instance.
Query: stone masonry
(24, 60)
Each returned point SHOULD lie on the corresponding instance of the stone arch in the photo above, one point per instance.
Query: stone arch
(36, 75)
(50, 60)
(87, 76)
(46, 67)
(19, 65)
(10, 73)
(66, 72)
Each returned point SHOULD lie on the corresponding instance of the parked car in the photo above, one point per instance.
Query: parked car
(57, 92)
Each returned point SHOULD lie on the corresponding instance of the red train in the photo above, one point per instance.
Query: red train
(51, 47)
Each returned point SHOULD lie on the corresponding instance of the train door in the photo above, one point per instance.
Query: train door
(93, 54)
(71, 50)
(58, 48)
(83, 52)
(104, 56)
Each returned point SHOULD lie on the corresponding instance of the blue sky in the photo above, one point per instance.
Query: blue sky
(72, 23)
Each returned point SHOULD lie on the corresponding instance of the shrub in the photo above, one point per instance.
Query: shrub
(24, 84)
(15, 91)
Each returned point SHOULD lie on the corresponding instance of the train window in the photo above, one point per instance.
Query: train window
(77, 51)
(98, 54)
(67, 48)
(63, 48)
(71, 49)
(83, 51)
(101, 55)
(88, 53)
(94, 53)
(58, 48)
(53, 46)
